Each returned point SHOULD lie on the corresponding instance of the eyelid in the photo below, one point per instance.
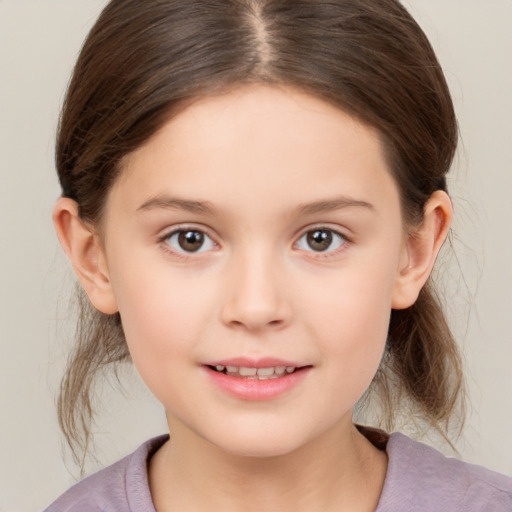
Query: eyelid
(169, 232)
(325, 227)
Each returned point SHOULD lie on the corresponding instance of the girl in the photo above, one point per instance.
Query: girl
(253, 198)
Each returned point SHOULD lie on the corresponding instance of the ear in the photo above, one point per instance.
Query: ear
(421, 248)
(83, 247)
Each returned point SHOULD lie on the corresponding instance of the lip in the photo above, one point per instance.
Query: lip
(254, 389)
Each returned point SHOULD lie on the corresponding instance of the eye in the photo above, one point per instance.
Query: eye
(321, 240)
(189, 240)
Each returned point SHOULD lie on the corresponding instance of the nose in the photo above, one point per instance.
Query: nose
(255, 297)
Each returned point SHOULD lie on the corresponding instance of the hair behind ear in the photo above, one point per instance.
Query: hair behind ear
(422, 364)
(99, 341)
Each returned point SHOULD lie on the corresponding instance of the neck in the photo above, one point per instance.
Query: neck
(340, 471)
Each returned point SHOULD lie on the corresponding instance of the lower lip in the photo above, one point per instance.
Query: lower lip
(255, 389)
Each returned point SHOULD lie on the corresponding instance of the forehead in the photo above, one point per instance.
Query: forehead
(259, 143)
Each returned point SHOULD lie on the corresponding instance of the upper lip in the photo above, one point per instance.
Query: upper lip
(245, 362)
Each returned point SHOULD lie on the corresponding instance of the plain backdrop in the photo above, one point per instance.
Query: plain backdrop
(39, 41)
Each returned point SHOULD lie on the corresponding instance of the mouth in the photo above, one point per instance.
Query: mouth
(250, 373)
(256, 379)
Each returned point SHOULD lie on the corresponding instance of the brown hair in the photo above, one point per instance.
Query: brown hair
(142, 61)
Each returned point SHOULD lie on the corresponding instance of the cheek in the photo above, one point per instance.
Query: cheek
(163, 318)
(359, 344)
(351, 320)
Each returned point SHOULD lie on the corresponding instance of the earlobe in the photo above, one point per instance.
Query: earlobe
(82, 245)
(421, 249)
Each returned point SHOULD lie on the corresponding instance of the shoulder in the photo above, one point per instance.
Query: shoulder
(421, 478)
(121, 486)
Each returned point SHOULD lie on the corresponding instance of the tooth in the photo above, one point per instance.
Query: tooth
(266, 372)
(279, 370)
(220, 368)
(232, 369)
(247, 372)
(289, 369)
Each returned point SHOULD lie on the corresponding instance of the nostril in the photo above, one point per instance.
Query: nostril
(255, 322)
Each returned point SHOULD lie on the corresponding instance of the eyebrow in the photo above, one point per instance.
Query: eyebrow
(332, 205)
(205, 207)
(174, 203)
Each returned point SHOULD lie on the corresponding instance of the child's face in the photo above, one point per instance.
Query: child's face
(290, 249)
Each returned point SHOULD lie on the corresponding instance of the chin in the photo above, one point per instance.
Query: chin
(259, 442)
(261, 450)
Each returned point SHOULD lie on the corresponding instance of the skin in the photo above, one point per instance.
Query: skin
(271, 165)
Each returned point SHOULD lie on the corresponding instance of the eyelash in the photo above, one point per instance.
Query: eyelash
(343, 239)
(185, 255)
(182, 254)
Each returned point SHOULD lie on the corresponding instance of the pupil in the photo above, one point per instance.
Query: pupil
(191, 240)
(319, 240)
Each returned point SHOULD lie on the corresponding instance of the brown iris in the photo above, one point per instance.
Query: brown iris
(191, 241)
(319, 240)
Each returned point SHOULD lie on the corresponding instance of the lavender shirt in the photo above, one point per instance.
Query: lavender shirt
(419, 479)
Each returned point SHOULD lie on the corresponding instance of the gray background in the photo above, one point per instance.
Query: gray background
(39, 41)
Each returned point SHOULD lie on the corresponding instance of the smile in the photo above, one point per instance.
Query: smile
(256, 380)
(272, 372)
